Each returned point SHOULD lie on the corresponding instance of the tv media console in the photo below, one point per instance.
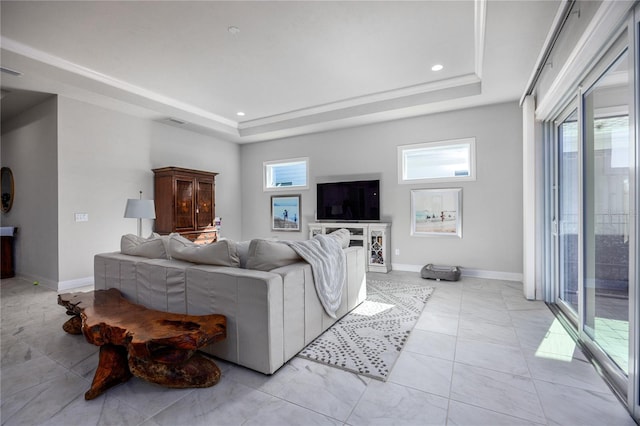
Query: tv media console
(375, 237)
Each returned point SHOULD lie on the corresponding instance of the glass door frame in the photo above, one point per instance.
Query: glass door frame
(622, 383)
(572, 107)
(626, 38)
(633, 396)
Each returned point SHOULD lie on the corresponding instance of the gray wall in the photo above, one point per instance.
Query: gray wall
(492, 205)
(29, 148)
(102, 157)
(80, 158)
(106, 157)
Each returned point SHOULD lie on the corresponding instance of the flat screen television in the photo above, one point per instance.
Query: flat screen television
(348, 201)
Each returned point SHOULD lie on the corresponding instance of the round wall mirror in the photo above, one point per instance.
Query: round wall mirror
(6, 185)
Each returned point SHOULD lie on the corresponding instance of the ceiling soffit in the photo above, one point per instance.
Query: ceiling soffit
(352, 111)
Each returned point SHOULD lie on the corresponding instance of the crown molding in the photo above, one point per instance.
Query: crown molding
(73, 68)
(275, 122)
(364, 103)
(362, 109)
(480, 22)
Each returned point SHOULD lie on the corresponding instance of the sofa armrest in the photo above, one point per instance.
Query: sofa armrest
(356, 277)
(252, 301)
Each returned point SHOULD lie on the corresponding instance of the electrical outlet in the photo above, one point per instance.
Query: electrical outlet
(82, 217)
(397, 252)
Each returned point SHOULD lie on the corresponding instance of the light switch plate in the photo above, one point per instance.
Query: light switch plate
(82, 217)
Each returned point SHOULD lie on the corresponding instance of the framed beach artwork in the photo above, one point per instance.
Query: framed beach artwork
(285, 212)
(436, 212)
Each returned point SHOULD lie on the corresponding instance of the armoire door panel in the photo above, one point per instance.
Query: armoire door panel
(204, 213)
(184, 205)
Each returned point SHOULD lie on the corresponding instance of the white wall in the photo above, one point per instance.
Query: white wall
(172, 146)
(105, 157)
(492, 205)
(29, 149)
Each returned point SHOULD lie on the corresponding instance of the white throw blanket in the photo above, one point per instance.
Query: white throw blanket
(328, 265)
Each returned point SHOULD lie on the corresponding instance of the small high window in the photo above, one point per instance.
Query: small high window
(286, 174)
(444, 161)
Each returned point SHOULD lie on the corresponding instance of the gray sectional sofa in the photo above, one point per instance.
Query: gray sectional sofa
(272, 313)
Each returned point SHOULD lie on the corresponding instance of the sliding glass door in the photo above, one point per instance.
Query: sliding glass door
(594, 226)
(608, 158)
(567, 219)
(592, 189)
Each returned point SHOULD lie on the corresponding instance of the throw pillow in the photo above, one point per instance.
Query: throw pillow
(343, 236)
(221, 253)
(165, 241)
(242, 247)
(265, 255)
(152, 248)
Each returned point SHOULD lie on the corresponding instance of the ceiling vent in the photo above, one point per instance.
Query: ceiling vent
(10, 71)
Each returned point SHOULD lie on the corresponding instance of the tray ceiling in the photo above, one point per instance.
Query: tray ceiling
(290, 67)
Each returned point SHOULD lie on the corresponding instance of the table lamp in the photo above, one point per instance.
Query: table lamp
(140, 209)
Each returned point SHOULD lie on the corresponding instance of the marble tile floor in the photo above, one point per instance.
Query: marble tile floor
(480, 354)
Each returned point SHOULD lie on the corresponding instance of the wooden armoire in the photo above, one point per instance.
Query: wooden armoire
(185, 202)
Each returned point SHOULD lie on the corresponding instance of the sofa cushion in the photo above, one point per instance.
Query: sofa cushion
(178, 237)
(221, 253)
(164, 239)
(152, 248)
(265, 255)
(343, 236)
(242, 247)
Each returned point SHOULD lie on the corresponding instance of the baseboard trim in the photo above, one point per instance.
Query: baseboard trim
(467, 272)
(56, 285)
(493, 275)
(36, 280)
(72, 284)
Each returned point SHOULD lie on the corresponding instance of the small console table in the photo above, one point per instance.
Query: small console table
(7, 236)
(156, 346)
(375, 237)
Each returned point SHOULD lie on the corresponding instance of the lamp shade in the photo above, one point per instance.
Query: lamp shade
(140, 209)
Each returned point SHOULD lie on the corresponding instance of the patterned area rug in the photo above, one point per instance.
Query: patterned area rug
(368, 340)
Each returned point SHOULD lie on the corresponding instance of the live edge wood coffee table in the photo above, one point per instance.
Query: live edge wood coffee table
(156, 346)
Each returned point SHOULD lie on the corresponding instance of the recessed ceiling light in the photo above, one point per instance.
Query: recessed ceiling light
(233, 29)
(437, 67)
(240, 114)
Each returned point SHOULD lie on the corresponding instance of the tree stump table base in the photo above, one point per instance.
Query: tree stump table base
(112, 370)
(197, 372)
(156, 346)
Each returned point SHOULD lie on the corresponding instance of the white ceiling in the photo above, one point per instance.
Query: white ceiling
(293, 67)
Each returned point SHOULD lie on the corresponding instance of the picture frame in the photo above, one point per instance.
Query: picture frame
(285, 213)
(436, 212)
